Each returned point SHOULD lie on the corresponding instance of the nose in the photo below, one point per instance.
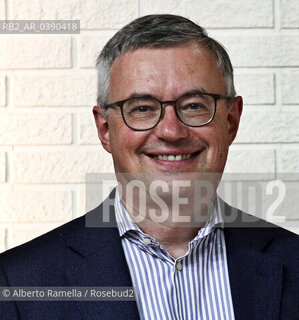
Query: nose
(170, 128)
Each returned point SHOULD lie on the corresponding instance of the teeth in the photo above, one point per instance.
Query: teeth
(172, 157)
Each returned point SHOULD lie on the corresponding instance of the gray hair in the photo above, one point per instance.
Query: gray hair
(159, 30)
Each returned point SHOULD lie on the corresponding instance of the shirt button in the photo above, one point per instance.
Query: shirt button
(178, 266)
(147, 241)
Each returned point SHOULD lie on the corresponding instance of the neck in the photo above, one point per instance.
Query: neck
(174, 239)
(172, 216)
(172, 227)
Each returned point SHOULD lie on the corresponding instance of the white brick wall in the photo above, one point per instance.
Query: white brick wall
(2, 239)
(289, 160)
(87, 130)
(54, 90)
(37, 52)
(48, 139)
(268, 126)
(2, 9)
(58, 166)
(94, 14)
(289, 88)
(2, 91)
(289, 14)
(217, 13)
(251, 161)
(257, 88)
(35, 129)
(2, 167)
(41, 206)
(89, 48)
(264, 50)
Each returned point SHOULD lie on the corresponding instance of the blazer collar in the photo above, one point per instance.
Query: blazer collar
(95, 257)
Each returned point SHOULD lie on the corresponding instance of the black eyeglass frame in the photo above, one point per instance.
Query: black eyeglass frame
(215, 96)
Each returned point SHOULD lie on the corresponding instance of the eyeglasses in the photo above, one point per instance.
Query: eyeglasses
(144, 113)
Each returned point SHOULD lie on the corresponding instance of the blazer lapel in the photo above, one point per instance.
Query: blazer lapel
(94, 258)
(255, 276)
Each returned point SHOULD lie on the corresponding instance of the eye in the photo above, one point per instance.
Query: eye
(193, 106)
(142, 109)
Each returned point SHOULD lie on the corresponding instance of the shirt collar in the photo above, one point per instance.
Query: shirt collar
(126, 224)
(123, 219)
(215, 220)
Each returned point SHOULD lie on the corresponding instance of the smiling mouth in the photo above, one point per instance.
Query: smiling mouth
(174, 157)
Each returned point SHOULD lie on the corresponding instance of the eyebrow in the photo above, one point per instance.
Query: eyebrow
(147, 95)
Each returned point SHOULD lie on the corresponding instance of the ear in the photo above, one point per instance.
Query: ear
(102, 126)
(233, 116)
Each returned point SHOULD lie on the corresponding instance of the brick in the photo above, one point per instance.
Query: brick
(270, 126)
(35, 206)
(59, 167)
(93, 14)
(2, 91)
(81, 203)
(255, 88)
(262, 50)
(250, 161)
(54, 90)
(289, 88)
(289, 13)
(35, 129)
(2, 10)
(2, 167)
(87, 129)
(218, 13)
(21, 234)
(167, 6)
(2, 240)
(37, 52)
(289, 160)
(89, 49)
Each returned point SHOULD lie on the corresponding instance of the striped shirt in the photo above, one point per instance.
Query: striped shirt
(194, 286)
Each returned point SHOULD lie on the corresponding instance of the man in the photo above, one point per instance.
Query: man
(167, 112)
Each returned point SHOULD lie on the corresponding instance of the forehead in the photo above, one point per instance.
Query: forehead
(165, 73)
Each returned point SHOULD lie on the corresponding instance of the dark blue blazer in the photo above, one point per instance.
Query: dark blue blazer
(262, 263)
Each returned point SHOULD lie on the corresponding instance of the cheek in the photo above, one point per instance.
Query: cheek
(124, 141)
(215, 133)
(220, 130)
(217, 140)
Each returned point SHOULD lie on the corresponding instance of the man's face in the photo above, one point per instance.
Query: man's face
(166, 74)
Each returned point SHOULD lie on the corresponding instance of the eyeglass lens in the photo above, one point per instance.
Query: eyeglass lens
(144, 113)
